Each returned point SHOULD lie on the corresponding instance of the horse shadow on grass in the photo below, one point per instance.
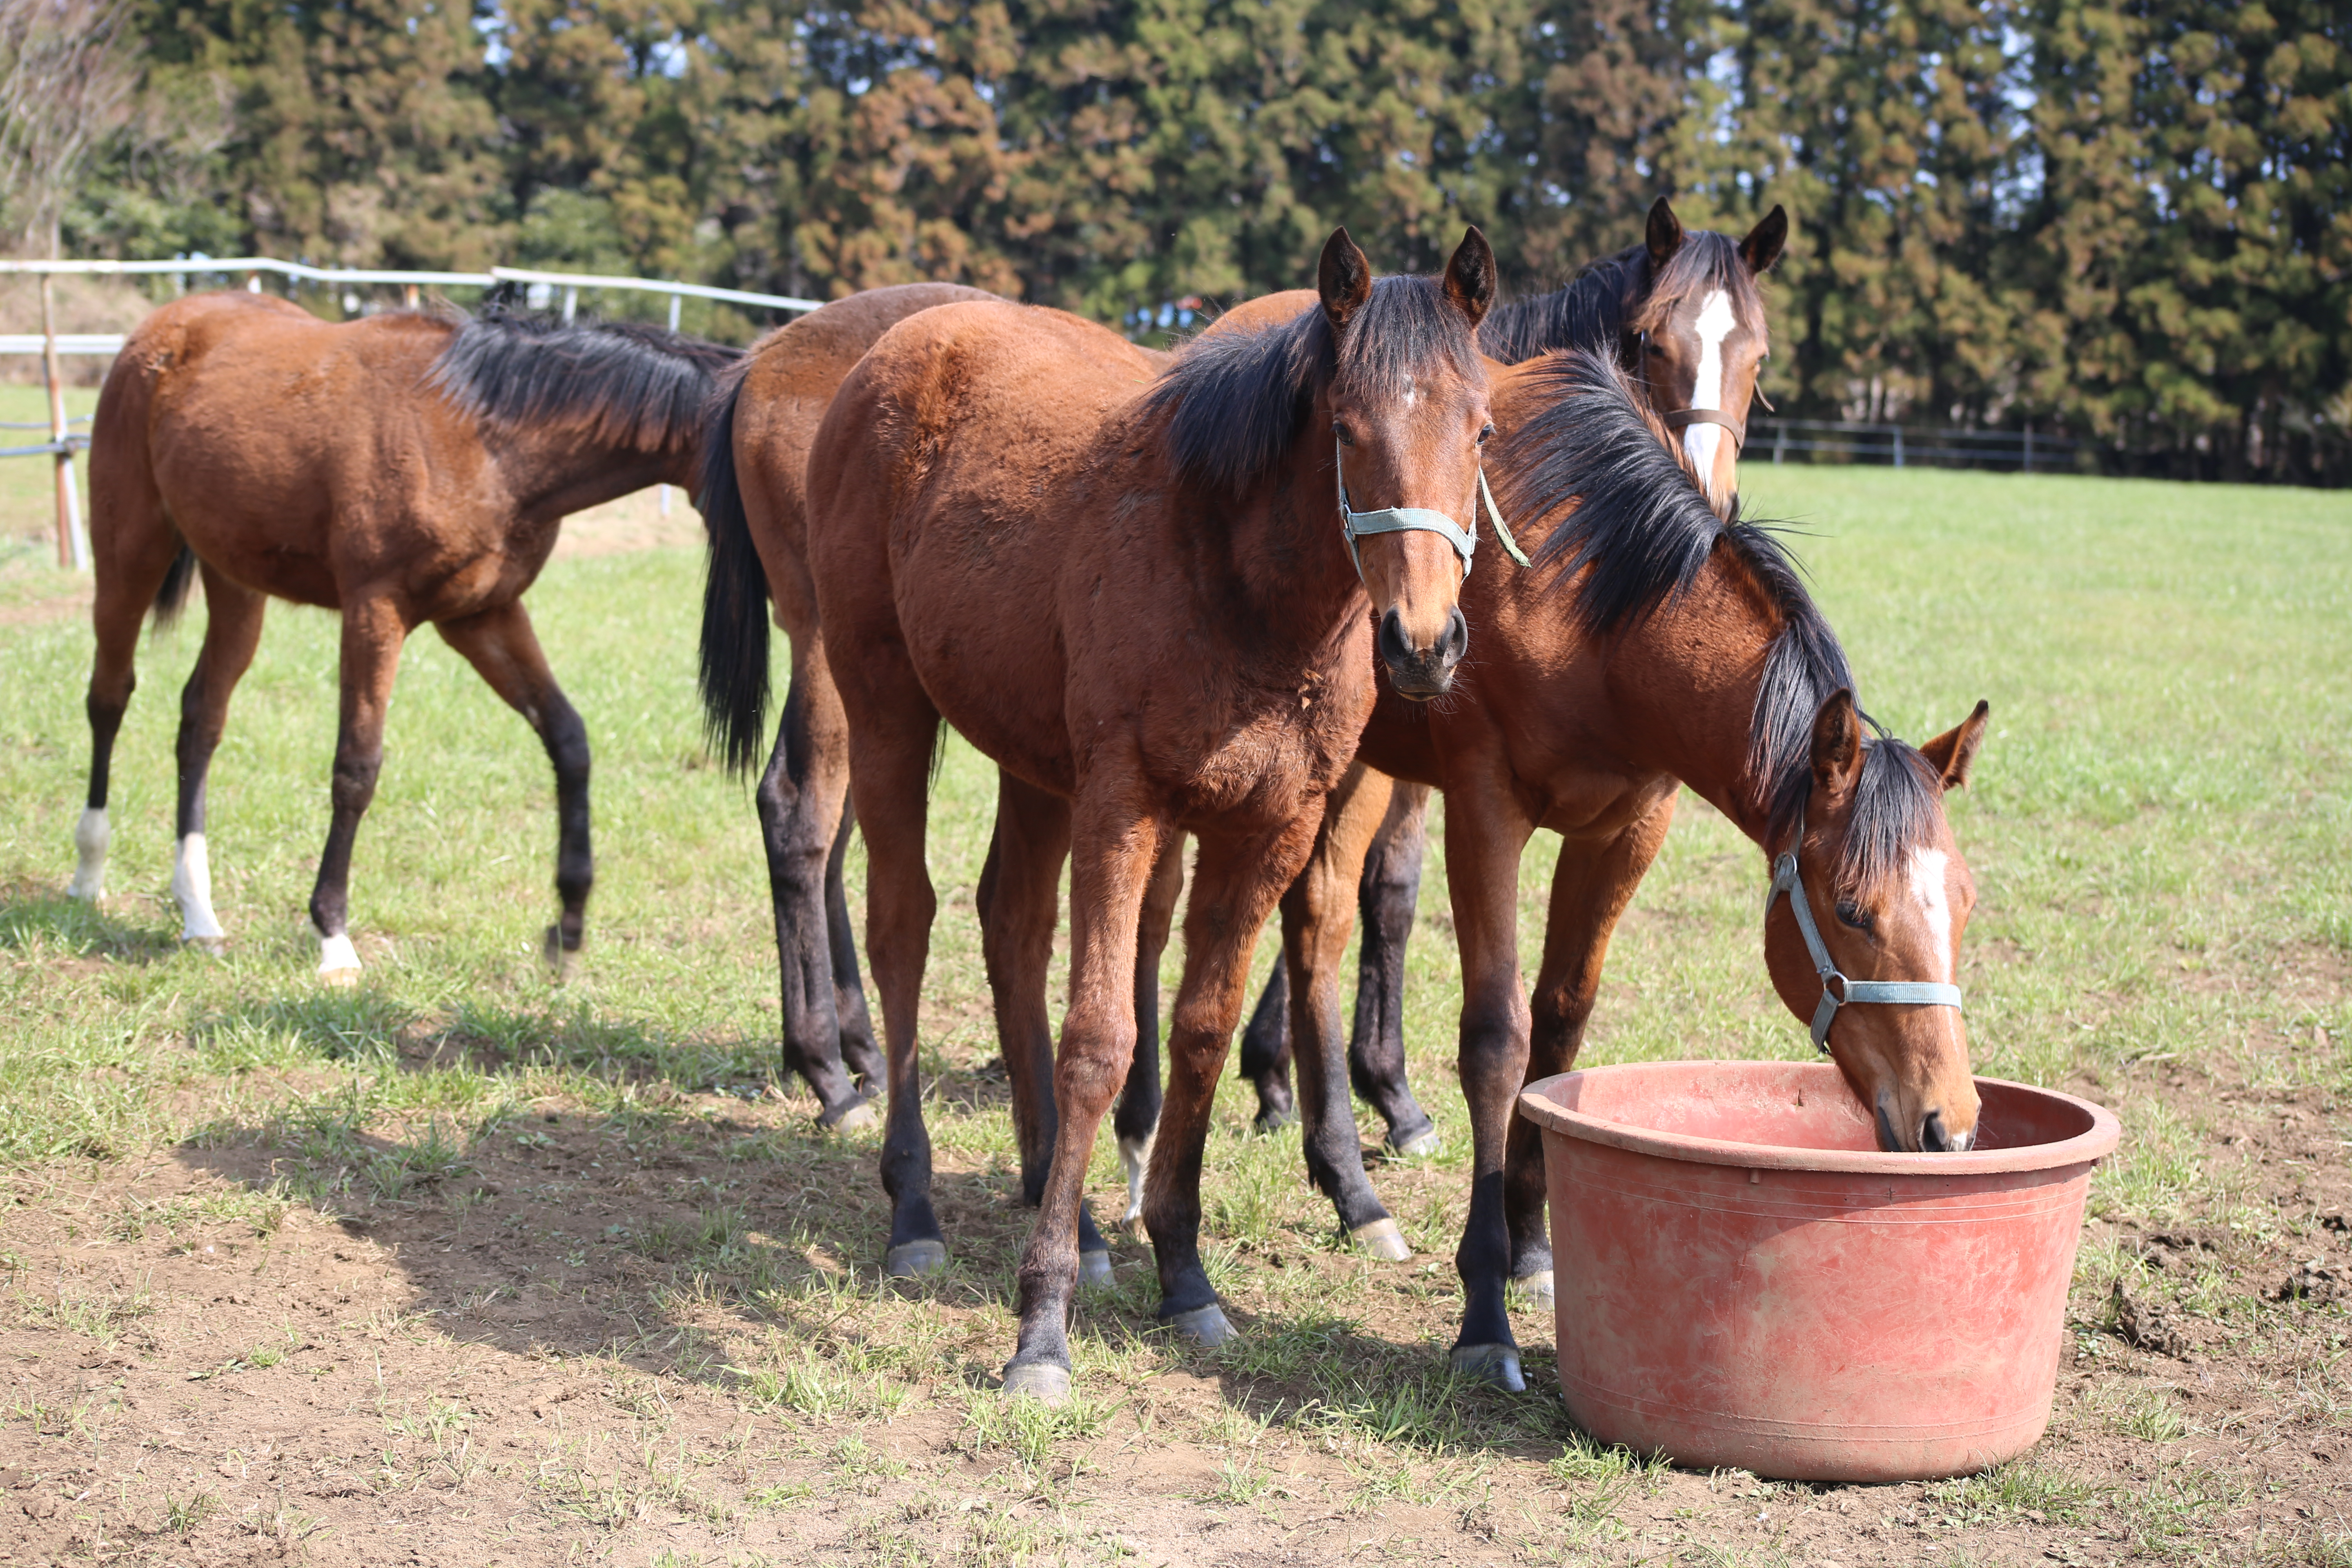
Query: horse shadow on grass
(40, 923)
(553, 1182)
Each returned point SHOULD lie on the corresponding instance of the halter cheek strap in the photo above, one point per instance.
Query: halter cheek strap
(1837, 991)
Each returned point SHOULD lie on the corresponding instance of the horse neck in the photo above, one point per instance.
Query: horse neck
(562, 471)
(1684, 687)
(1286, 562)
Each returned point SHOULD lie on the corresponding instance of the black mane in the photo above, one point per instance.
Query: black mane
(621, 382)
(1640, 535)
(1236, 401)
(1589, 312)
(1619, 296)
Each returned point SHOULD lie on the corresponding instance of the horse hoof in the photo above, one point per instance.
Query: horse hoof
(1094, 1270)
(558, 963)
(1538, 1289)
(1039, 1380)
(910, 1258)
(1383, 1240)
(340, 979)
(859, 1118)
(215, 946)
(1205, 1326)
(1273, 1121)
(1497, 1364)
(1422, 1145)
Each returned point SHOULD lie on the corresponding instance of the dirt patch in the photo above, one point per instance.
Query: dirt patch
(658, 1338)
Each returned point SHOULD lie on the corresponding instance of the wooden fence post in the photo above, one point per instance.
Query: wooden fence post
(72, 554)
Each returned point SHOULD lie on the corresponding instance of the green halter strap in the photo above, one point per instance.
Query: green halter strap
(1837, 991)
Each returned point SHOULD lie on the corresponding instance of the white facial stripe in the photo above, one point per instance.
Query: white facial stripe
(1927, 888)
(1715, 323)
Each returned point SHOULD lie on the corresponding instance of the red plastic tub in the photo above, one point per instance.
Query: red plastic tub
(1742, 1279)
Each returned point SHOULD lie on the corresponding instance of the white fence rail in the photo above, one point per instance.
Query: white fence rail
(73, 544)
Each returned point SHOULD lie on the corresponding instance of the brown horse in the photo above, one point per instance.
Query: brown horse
(1126, 588)
(1685, 316)
(754, 504)
(403, 468)
(1652, 645)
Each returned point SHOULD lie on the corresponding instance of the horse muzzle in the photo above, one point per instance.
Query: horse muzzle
(1421, 673)
(1933, 1135)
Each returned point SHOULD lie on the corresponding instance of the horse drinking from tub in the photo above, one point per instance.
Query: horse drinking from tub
(1127, 589)
(402, 469)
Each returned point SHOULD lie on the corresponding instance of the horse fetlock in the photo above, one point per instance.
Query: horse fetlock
(1381, 1238)
(1492, 1363)
(191, 886)
(1416, 1144)
(90, 834)
(1094, 1268)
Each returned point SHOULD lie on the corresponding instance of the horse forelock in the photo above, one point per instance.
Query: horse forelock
(1705, 262)
(621, 382)
(1235, 402)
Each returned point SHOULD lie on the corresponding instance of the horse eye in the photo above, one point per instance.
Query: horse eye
(1850, 914)
(1482, 433)
(1341, 431)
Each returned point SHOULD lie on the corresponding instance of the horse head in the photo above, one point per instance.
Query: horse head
(1406, 407)
(1862, 929)
(1698, 339)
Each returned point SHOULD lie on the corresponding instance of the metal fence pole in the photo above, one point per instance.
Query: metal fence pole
(2029, 448)
(1898, 446)
(72, 551)
(1780, 440)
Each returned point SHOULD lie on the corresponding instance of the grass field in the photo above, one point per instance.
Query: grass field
(464, 1264)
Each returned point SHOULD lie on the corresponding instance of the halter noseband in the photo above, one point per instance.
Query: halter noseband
(1681, 418)
(1837, 991)
(1355, 525)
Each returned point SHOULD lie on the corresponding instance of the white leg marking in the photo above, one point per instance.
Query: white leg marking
(1137, 1153)
(1715, 323)
(337, 955)
(192, 884)
(90, 845)
(1927, 887)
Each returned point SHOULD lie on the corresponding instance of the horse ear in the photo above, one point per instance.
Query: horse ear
(1665, 236)
(1344, 277)
(1950, 752)
(1837, 746)
(1470, 276)
(1765, 242)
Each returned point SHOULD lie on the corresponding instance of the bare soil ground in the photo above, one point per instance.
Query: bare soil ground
(556, 1347)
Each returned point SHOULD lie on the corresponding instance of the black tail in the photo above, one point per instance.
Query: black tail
(171, 595)
(734, 599)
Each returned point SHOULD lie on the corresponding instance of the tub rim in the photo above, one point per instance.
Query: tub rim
(1535, 1103)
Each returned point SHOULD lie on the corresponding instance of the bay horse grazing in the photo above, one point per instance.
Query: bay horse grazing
(1144, 596)
(403, 468)
(1683, 314)
(755, 502)
(1653, 644)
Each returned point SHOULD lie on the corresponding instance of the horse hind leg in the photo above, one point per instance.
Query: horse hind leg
(373, 632)
(502, 646)
(1136, 1120)
(232, 632)
(141, 563)
(1265, 1053)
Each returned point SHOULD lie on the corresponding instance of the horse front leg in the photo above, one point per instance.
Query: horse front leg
(1485, 829)
(1317, 911)
(374, 631)
(232, 632)
(1137, 1122)
(504, 650)
(1114, 848)
(1591, 886)
(1236, 883)
(1386, 897)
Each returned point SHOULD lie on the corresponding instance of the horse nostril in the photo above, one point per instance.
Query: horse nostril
(1395, 647)
(1933, 1138)
(1456, 640)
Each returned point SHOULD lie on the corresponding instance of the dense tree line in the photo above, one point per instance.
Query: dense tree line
(2130, 223)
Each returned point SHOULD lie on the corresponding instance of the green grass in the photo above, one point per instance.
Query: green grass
(2158, 829)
